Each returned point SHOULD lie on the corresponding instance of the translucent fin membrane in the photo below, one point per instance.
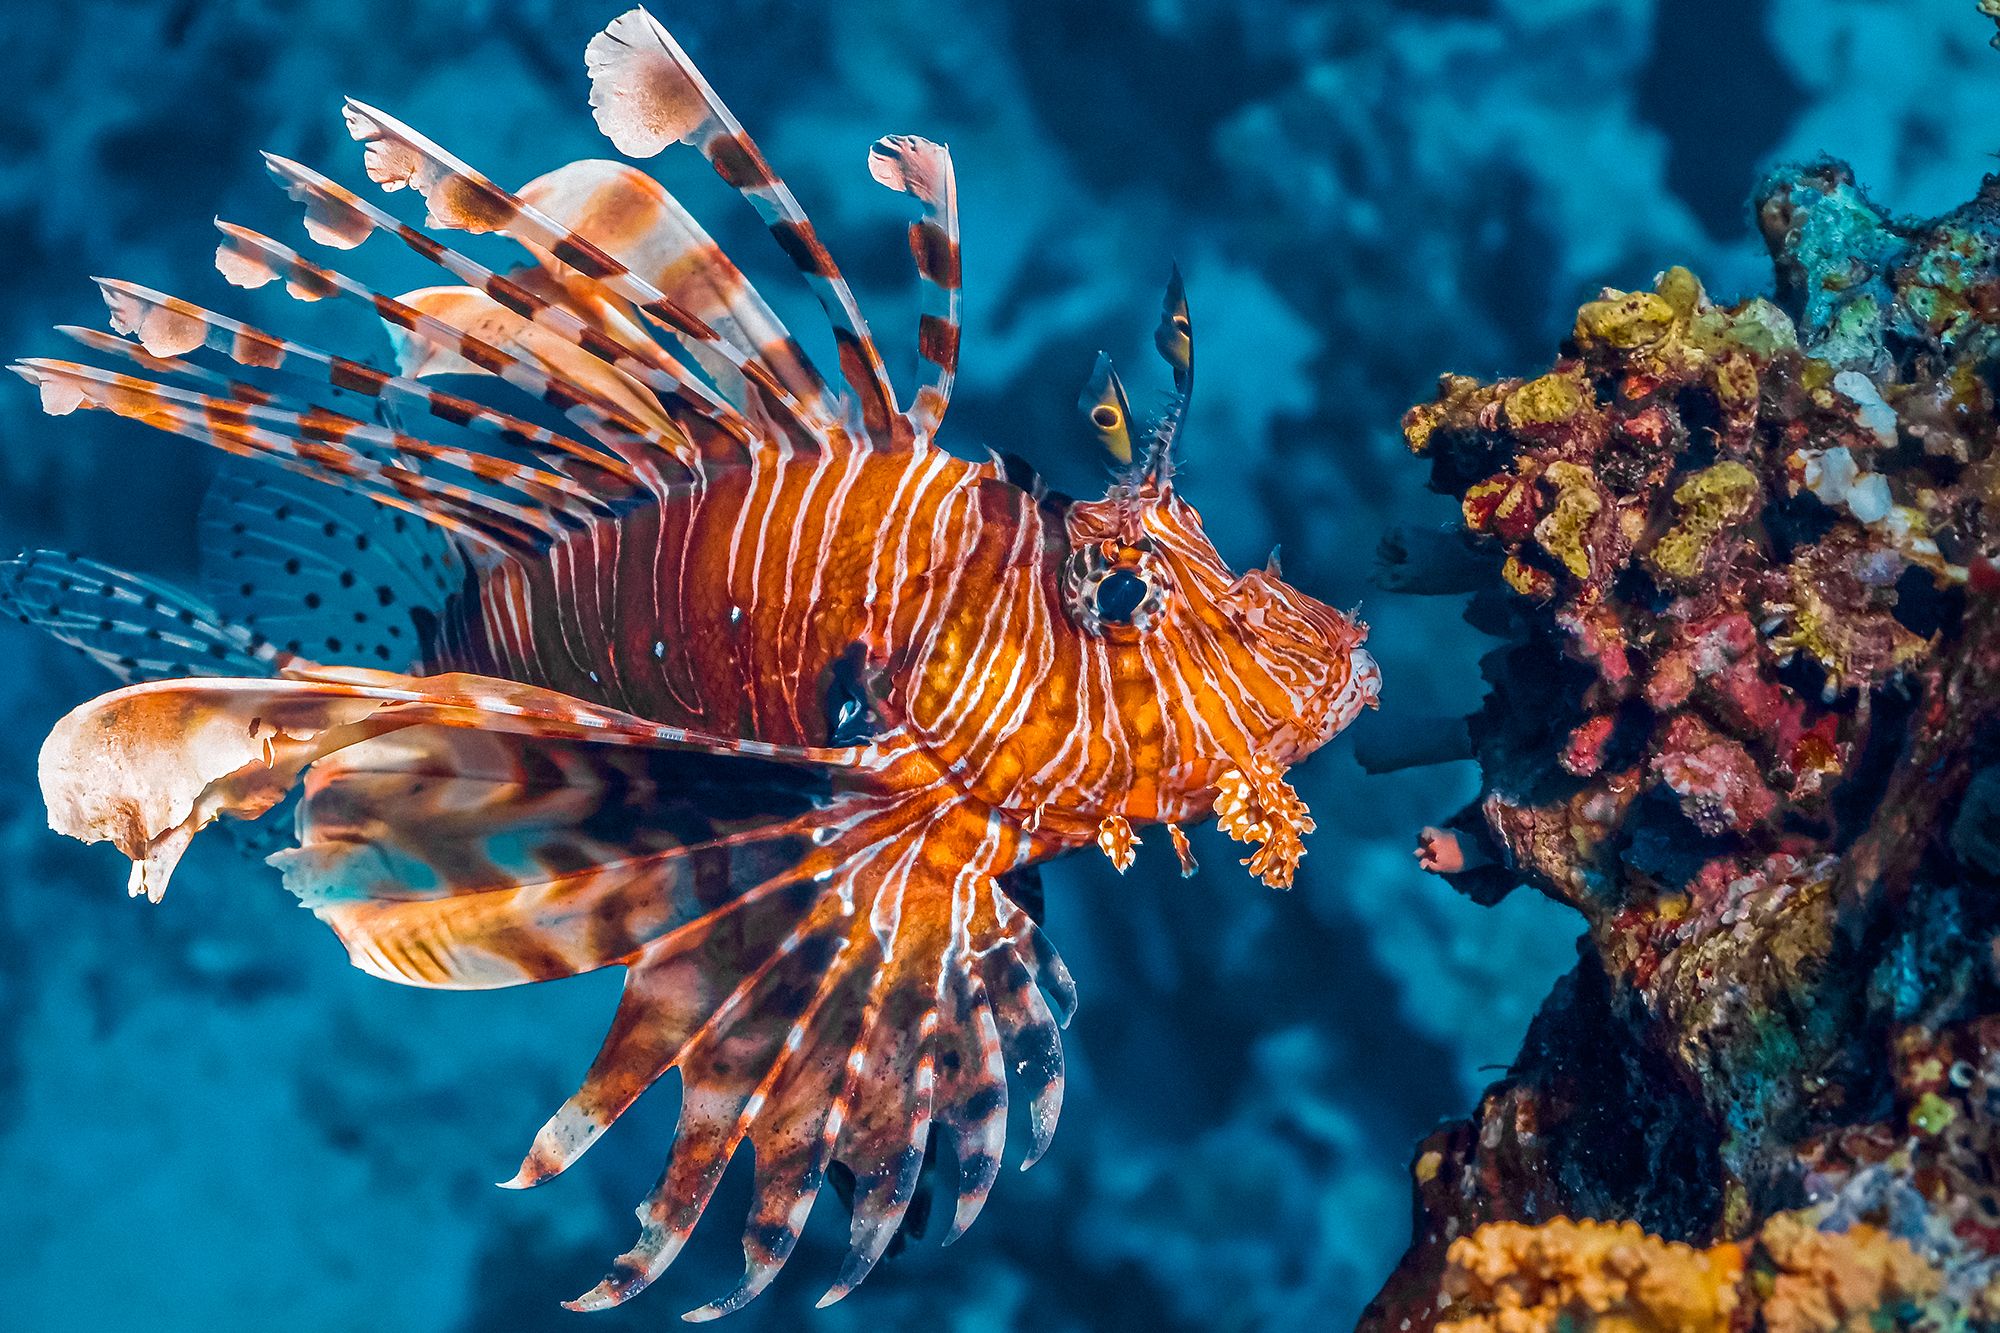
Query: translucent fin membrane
(634, 217)
(319, 572)
(136, 628)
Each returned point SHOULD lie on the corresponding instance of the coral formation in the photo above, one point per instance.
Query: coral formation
(1510, 1278)
(1792, 1277)
(1746, 722)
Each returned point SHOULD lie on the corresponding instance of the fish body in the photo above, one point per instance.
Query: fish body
(730, 606)
(737, 680)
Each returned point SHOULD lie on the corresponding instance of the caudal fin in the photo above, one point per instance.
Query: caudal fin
(137, 628)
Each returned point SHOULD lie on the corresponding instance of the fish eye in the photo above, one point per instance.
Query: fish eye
(1117, 595)
(1107, 586)
(1104, 416)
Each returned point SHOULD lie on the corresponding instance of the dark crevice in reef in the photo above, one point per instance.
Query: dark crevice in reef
(1744, 719)
(1716, 89)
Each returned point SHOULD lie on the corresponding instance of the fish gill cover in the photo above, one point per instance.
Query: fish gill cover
(1360, 194)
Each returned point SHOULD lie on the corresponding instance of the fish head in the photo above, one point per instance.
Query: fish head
(1231, 678)
(1266, 672)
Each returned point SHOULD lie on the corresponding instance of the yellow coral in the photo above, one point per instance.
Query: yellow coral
(1455, 393)
(1555, 397)
(1565, 532)
(1757, 327)
(1503, 504)
(1508, 1277)
(1710, 501)
(1682, 291)
(1625, 320)
(1525, 579)
(1735, 380)
(1605, 1277)
(1838, 1282)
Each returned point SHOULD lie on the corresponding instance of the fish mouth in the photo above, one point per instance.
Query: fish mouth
(1325, 715)
(1362, 689)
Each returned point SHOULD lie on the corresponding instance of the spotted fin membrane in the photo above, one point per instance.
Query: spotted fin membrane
(137, 628)
(319, 573)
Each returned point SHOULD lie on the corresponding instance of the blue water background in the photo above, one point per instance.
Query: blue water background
(209, 1121)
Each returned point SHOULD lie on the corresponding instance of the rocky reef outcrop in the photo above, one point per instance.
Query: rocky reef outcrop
(1744, 718)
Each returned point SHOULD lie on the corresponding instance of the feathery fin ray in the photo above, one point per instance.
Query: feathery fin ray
(647, 94)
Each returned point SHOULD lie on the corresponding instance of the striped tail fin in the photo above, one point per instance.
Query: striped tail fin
(137, 628)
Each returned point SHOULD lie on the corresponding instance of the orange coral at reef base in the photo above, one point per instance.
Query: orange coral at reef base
(1612, 1277)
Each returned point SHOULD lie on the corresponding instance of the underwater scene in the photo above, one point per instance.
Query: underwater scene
(687, 538)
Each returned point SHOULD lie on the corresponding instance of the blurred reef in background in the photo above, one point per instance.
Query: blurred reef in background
(211, 1122)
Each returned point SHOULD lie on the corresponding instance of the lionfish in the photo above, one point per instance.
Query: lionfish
(734, 678)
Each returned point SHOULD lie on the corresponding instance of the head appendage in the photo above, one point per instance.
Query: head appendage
(1109, 413)
(1175, 340)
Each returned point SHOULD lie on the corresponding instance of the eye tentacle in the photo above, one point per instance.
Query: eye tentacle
(1109, 413)
(1175, 340)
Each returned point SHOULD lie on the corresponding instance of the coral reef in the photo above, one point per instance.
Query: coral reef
(1745, 720)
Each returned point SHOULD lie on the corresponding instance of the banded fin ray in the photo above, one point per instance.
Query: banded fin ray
(811, 1031)
(161, 363)
(922, 169)
(621, 414)
(319, 444)
(629, 418)
(647, 94)
(460, 198)
(338, 216)
(167, 326)
(635, 219)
